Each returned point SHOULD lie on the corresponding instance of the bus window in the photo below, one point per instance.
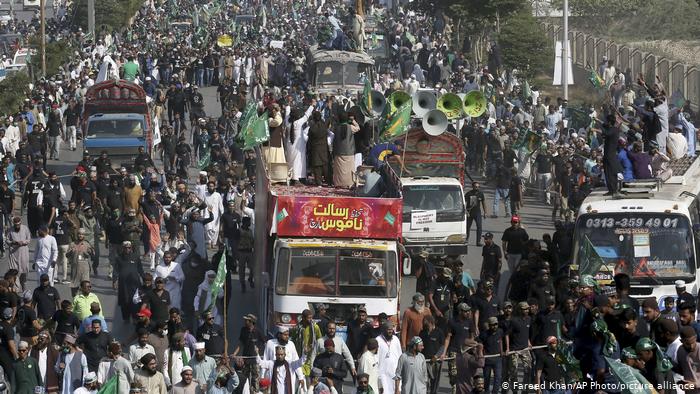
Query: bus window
(312, 272)
(366, 273)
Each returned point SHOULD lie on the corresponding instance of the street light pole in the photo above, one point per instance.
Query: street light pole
(91, 19)
(42, 16)
(565, 52)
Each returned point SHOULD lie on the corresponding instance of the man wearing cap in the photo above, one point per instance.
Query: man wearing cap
(113, 364)
(25, 374)
(215, 206)
(150, 379)
(441, 298)
(18, 239)
(176, 359)
(202, 365)
(548, 370)
(518, 345)
(514, 239)
(388, 354)
(91, 225)
(493, 343)
(657, 368)
(476, 202)
(46, 253)
(458, 329)
(212, 335)
(285, 375)
(132, 228)
(485, 305)
(468, 360)
(683, 295)
(332, 365)
(26, 322)
(411, 371)
(251, 342)
(46, 355)
(186, 384)
(282, 340)
(8, 345)
(412, 322)
(492, 260)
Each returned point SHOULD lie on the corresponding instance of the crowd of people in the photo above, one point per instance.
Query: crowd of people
(165, 231)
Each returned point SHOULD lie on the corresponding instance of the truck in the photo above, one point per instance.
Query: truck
(432, 179)
(116, 119)
(331, 71)
(326, 246)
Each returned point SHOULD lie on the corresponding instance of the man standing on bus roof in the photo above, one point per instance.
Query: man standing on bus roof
(683, 295)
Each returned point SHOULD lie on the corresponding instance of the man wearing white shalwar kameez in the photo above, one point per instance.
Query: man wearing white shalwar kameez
(13, 136)
(388, 355)
(174, 359)
(297, 145)
(278, 370)
(215, 204)
(171, 271)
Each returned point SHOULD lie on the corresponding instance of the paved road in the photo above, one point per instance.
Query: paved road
(535, 217)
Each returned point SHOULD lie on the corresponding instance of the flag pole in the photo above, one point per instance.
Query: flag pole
(403, 154)
(226, 305)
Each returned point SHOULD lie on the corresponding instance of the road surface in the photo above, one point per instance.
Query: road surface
(536, 218)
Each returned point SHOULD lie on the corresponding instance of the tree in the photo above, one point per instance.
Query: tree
(57, 54)
(113, 14)
(524, 45)
(13, 91)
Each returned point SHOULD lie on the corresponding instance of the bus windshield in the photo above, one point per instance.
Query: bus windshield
(115, 128)
(447, 200)
(650, 247)
(345, 272)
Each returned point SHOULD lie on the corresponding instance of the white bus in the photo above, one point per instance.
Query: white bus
(650, 235)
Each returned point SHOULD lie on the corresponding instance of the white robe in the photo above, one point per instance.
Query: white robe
(204, 290)
(369, 364)
(295, 369)
(201, 190)
(67, 378)
(13, 138)
(297, 149)
(388, 355)
(176, 367)
(216, 204)
(174, 277)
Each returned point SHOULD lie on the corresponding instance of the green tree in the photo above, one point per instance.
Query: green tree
(113, 14)
(524, 45)
(57, 54)
(13, 91)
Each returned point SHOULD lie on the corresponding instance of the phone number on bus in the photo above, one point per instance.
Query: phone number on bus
(631, 222)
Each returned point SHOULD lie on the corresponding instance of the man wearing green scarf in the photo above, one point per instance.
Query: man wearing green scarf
(305, 335)
(657, 368)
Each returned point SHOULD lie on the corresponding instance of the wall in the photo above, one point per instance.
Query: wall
(587, 50)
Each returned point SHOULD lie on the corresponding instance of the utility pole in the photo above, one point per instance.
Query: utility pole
(42, 16)
(91, 19)
(565, 52)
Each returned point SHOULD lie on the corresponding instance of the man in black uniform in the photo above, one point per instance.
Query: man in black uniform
(492, 260)
(251, 342)
(212, 335)
(8, 347)
(475, 202)
(95, 344)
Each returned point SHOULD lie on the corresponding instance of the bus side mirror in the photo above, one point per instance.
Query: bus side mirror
(406, 265)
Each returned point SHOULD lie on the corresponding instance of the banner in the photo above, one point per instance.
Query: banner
(366, 102)
(398, 123)
(111, 386)
(258, 132)
(589, 260)
(219, 280)
(339, 217)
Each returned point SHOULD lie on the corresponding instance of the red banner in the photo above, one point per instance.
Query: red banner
(339, 217)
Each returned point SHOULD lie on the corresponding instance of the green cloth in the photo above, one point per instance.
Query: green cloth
(131, 69)
(25, 376)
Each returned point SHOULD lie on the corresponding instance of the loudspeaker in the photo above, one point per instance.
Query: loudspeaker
(397, 100)
(451, 105)
(474, 104)
(435, 122)
(378, 103)
(423, 102)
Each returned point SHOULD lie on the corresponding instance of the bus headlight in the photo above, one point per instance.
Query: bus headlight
(286, 318)
(457, 239)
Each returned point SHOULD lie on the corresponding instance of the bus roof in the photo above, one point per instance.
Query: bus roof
(682, 188)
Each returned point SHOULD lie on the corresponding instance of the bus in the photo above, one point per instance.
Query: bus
(650, 233)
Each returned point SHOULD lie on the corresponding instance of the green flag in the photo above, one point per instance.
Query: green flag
(631, 379)
(250, 113)
(219, 280)
(398, 123)
(366, 103)
(259, 132)
(528, 140)
(111, 386)
(596, 80)
(589, 260)
(527, 92)
(204, 159)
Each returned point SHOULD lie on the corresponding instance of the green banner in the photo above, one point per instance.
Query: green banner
(219, 280)
(398, 123)
(259, 132)
(589, 260)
